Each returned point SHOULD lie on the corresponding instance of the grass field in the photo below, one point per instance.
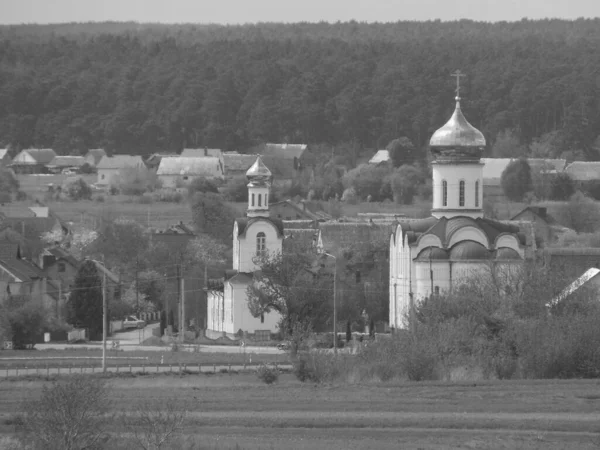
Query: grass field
(226, 411)
(87, 358)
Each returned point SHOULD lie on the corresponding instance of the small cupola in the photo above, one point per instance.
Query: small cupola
(259, 186)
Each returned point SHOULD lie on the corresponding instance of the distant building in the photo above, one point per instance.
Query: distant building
(541, 220)
(66, 162)
(180, 171)
(93, 156)
(33, 160)
(286, 161)
(382, 156)
(236, 165)
(583, 171)
(109, 168)
(4, 157)
(290, 210)
(202, 153)
(153, 161)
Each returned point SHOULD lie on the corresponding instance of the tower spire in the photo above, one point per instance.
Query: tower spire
(457, 74)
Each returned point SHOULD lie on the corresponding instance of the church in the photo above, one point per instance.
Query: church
(430, 256)
(253, 235)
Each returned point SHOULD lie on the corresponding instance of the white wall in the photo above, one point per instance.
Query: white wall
(24, 158)
(453, 174)
(246, 248)
(243, 319)
(106, 176)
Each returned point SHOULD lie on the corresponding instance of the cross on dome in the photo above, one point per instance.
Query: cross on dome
(458, 74)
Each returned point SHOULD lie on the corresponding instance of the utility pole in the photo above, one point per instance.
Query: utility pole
(334, 302)
(182, 304)
(104, 318)
(137, 287)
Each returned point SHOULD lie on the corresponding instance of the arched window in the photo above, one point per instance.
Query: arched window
(266, 197)
(252, 199)
(261, 246)
(477, 194)
(461, 193)
(444, 193)
(259, 198)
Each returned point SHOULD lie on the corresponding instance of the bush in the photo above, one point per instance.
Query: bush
(21, 196)
(202, 184)
(516, 180)
(267, 375)
(23, 322)
(87, 169)
(145, 200)
(5, 197)
(236, 190)
(79, 190)
(137, 181)
(100, 199)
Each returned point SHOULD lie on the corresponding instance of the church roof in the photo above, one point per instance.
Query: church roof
(258, 171)
(457, 132)
(244, 222)
(445, 228)
(506, 253)
(469, 250)
(337, 235)
(432, 254)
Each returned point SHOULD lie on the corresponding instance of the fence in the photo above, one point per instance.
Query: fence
(150, 317)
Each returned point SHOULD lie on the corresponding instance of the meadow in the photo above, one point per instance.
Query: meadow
(239, 411)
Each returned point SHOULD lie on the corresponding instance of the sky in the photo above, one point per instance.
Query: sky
(252, 11)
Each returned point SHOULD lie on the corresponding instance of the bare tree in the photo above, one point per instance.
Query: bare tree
(156, 424)
(69, 415)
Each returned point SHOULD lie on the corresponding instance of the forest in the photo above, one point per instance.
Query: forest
(141, 88)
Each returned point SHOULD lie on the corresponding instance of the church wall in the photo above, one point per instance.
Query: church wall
(247, 244)
(441, 278)
(243, 319)
(214, 308)
(400, 281)
(453, 173)
(464, 271)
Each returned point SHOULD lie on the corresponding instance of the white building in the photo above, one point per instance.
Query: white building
(432, 255)
(227, 308)
(178, 171)
(110, 167)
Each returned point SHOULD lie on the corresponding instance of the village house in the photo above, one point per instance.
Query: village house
(583, 172)
(381, 157)
(153, 161)
(286, 161)
(235, 165)
(33, 160)
(542, 221)
(110, 168)
(180, 171)
(5, 159)
(60, 163)
(202, 153)
(290, 210)
(93, 156)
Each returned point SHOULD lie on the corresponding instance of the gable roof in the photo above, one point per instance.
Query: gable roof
(60, 253)
(121, 162)
(303, 210)
(103, 269)
(237, 162)
(380, 156)
(201, 152)
(67, 161)
(286, 151)
(96, 153)
(21, 269)
(245, 222)
(556, 165)
(299, 239)
(207, 167)
(3, 153)
(540, 211)
(40, 155)
(584, 170)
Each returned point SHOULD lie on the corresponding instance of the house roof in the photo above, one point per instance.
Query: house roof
(584, 170)
(301, 223)
(41, 155)
(540, 211)
(67, 161)
(380, 156)
(493, 167)
(121, 162)
(287, 151)
(96, 153)
(21, 269)
(60, 253)
(240, 278)
(201, 152)
(16, 211)
(189, 166)
(103, 269)
(236, 162)
(3, 153)
(298, 239)
(556, 165)
(9, 249)
(303, 210)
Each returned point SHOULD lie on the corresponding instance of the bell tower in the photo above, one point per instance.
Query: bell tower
(259, 188)
(456, 149)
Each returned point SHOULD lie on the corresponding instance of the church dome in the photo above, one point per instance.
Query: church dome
(507, 253)
(469, 250)
(457, 139)
(258, 172)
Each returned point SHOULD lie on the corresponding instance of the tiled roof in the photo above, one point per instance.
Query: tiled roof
(60, 253)
(201, 152)
(557, 165)
(380, 156)
(296, 224)
(21, 269)
(584, 170)
(190, 166)
(236, 162)
(303, 210)
(3, 153)
(8, 249)
(41, 155)
(299, 239)
(103, 269)
(97, 154)
(68, 161)
(121, 162)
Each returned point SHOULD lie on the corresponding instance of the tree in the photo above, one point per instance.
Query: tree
(85, 302)
(23, 321)
(402, 151)
(79, 190)
(202, 185)
(292, 285)
(507, 145)
(8, 181)
(405, 182)
(213, 216)
(516, 180)
(580, 213)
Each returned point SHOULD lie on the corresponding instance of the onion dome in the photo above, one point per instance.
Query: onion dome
(507, 253)
(259, 173)
(432, 254)
(469, 250)
(457, 139)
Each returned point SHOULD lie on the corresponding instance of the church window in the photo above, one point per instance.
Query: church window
(477, 194)
(259, 199)
(444, 193)
(261, 246)
(461, 193)
(252, 199)
(262, 317)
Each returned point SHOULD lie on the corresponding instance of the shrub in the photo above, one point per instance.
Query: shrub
(170, 197)
(69, 415)
(21, 196)
(516, 179)
(319, 366)
(5, 197)
(137, 181)
(202, 184)
(79, 190)
(236, 190)
(100, 198)
(87, 168)
(267, 375)
(8, 181)
(580, 213)
(145, 200)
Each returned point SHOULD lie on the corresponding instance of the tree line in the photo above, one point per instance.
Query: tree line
(143, 88)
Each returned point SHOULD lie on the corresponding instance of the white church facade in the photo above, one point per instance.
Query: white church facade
(253, 235)
(431, 256)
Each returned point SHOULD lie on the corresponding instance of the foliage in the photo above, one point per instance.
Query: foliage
(213, 216)
(507, 145)
(87, 169)
(402, 151)
(23, 321)
(69, 415)
(405, 182)
(85, 302)
(158, 423)
(79, 190)
(267, 374)
(516, 180)
(552, 186)
(134, 181)
(366, 180)
(202, 185)
(8, 181)
(580, 213)
(236, 190)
